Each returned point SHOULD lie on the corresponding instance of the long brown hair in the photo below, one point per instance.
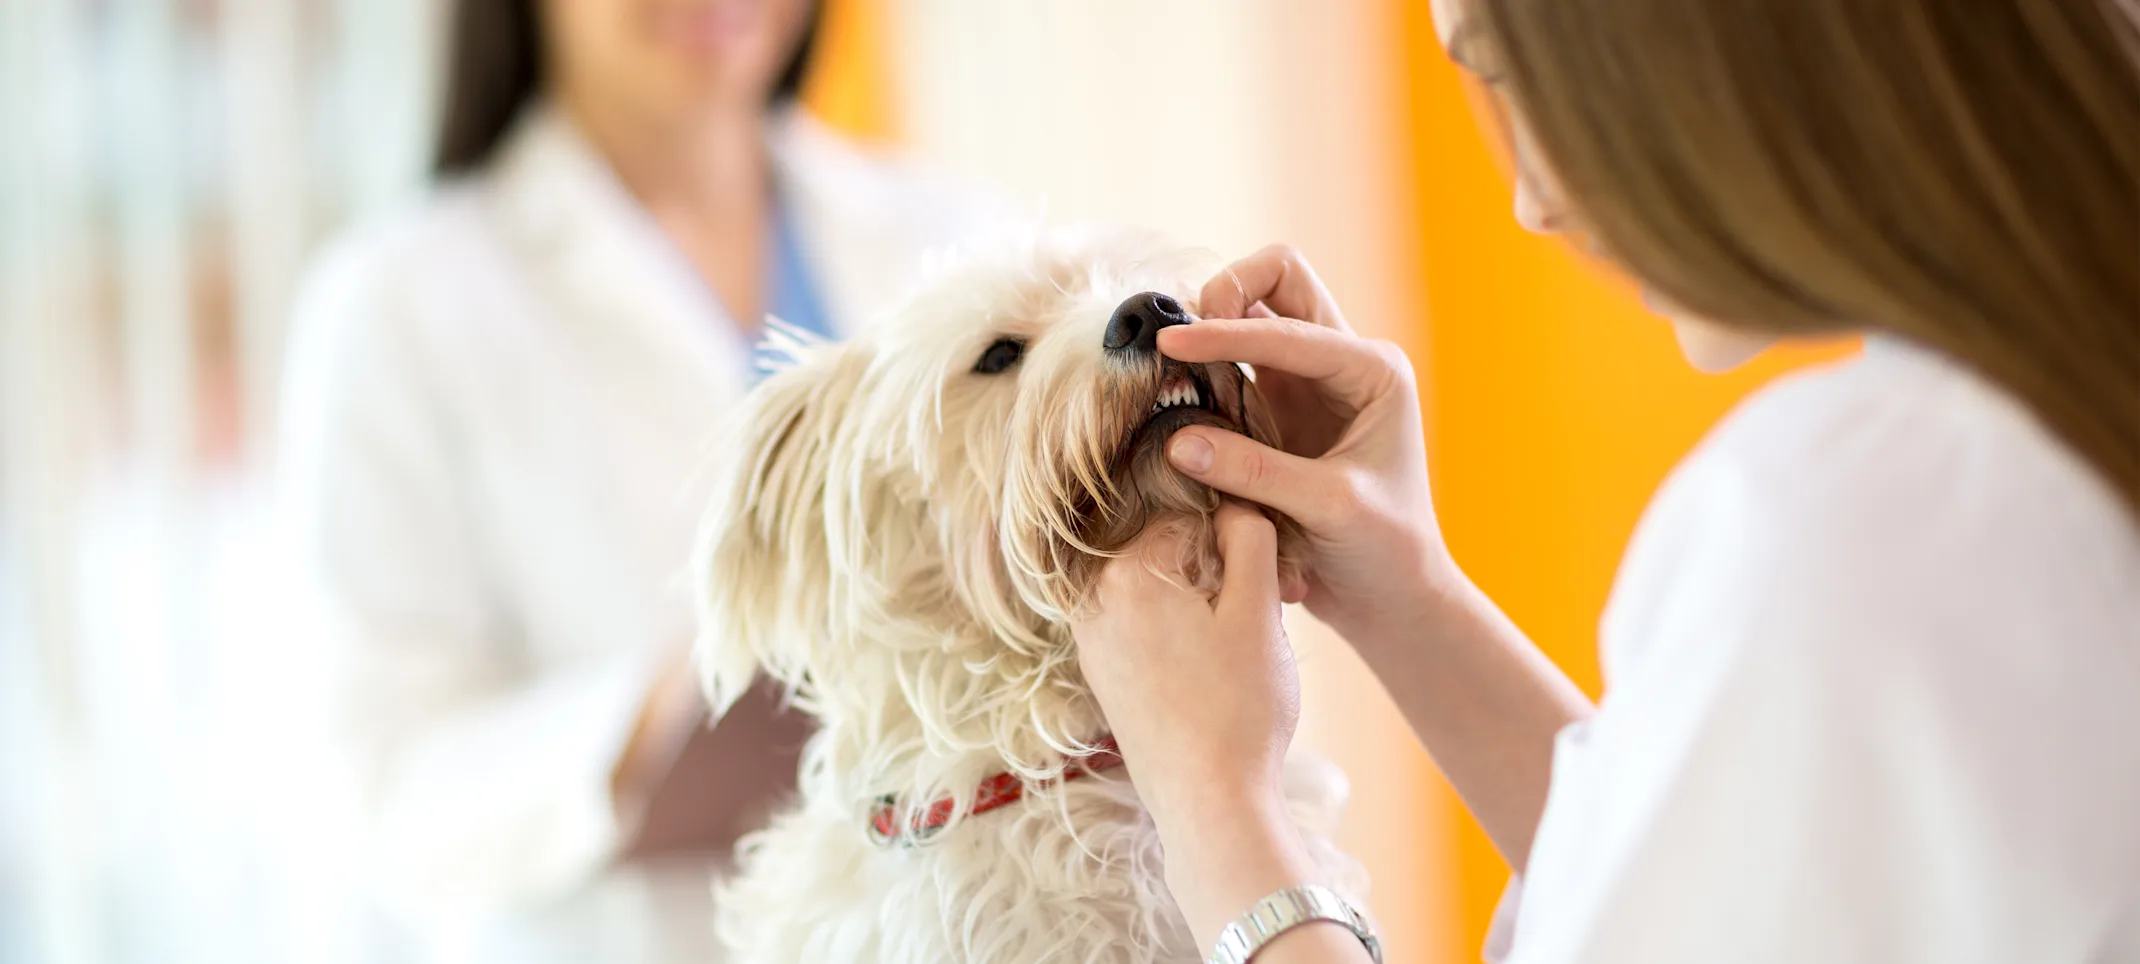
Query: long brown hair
(1964, 175)
(494, 68)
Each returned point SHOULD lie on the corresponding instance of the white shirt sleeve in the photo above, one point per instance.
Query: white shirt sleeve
(1847, 720)
(485, 775)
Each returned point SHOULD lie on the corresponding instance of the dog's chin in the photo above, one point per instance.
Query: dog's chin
(1150, 494)
(1151, 438)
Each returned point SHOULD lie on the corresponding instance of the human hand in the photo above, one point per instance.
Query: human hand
(1203, 697)
(1200, 690)
(1353, 474)
(682, 786)
(671, 710)
(722, 780)
(1353, 471)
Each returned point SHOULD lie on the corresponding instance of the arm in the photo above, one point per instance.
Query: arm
(660, 730)
(1354, 475)
(1217, 797)
(1221, 865)
(1483, 699)
(482, 782)
(1189, 681)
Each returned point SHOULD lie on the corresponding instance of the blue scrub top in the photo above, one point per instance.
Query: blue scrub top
(791, 289)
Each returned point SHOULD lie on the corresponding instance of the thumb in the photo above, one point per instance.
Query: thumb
(1245, 468)
(1248, 544)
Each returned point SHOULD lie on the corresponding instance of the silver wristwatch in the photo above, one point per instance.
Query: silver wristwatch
(1285, 910)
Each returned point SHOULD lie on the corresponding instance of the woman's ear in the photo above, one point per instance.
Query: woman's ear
(761, 568)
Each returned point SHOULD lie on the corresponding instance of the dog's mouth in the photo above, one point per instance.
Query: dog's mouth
(1186, 395)
(1107, 480)
(1142, 487)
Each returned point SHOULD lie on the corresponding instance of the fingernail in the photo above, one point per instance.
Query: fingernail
(1190, 454)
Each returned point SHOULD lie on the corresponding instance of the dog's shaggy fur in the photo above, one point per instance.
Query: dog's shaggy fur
(900, 541)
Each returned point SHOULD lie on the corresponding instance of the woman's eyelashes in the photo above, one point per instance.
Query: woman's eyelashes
(1001, 355)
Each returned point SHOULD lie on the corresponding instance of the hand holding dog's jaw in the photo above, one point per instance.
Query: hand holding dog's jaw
(1275, 282)
(1199, 687)
(1351, 470)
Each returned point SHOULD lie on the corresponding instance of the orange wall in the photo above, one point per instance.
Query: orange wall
(1555, 405)
(850, 76)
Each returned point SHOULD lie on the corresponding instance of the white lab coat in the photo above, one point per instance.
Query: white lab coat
(498, 425)
(1873, 694)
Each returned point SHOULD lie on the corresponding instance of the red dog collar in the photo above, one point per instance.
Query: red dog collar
(1000, 790)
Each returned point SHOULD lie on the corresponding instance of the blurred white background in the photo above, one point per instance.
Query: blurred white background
(169, 166)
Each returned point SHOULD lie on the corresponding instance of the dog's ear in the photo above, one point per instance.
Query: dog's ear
(761, 565)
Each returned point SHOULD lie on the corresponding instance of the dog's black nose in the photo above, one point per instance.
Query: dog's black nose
(1136, 324)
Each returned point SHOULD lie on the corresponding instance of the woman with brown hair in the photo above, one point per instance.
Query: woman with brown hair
(1873, 657)
(500, 405)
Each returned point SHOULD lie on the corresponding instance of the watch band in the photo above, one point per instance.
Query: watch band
(1285, 910)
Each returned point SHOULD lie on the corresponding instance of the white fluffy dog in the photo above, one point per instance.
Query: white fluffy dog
(908, 523)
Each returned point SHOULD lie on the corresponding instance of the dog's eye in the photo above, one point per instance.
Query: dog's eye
(999, 356)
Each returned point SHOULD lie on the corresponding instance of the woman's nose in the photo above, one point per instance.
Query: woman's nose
(1537, 211)
(1137, 320)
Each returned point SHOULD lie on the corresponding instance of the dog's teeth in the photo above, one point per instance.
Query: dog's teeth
(1176, 393)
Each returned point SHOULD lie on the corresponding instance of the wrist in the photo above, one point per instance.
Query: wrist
(1196, 785)
(1226, 851)
(1421, 597)
(1434, 626)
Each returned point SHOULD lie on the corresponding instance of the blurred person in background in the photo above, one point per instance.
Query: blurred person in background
(499, 406)
(1873, 657)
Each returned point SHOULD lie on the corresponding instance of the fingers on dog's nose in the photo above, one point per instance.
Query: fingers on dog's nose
(1345, 367)
(1280, 277)
(1138, 319)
